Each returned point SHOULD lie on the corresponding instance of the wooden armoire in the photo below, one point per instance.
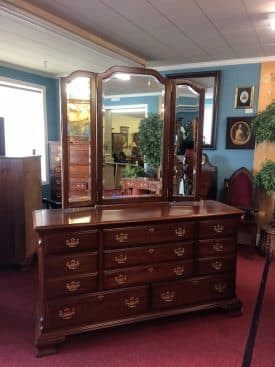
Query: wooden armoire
(20, 194)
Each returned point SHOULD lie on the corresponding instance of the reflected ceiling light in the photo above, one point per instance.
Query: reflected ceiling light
(271, 19)
(79, 88)
(123, 76)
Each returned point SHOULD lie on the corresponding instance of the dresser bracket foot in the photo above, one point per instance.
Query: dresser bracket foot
(233, 308)
(49, 348)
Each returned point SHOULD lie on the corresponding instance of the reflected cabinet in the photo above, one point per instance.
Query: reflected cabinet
(126, 136)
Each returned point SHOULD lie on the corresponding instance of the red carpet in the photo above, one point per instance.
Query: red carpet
(208, 339)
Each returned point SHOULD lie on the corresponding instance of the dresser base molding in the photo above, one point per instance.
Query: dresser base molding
(46, 342)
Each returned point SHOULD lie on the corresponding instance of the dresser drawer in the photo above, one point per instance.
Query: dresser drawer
(74, 241)
(147, 274)
(96, 308)
(147, 255)
(216, 265)
(218, 227)
(214, 247)
(68, 286)
(60, 265)
(192, 291)
(129, 236)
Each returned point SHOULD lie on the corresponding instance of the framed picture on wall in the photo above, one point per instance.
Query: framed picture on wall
(244, 97)
(239, 134)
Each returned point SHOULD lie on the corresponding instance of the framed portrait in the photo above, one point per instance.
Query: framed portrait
(244, 97)
(239, 134)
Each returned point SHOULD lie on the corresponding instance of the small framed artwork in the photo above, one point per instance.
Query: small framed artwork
(244, 97)
(239, 134)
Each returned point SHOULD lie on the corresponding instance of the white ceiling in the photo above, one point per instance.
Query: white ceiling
(163, 32)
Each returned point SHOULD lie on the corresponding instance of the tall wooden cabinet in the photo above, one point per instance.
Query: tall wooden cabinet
(20, 194)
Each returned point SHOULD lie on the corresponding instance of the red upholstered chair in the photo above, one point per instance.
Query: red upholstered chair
(240, 192)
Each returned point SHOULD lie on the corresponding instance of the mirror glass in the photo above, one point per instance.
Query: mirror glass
(187, 113)
(209, 81)
(78, 94)
(133, 123)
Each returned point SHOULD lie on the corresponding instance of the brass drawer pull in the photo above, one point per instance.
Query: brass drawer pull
(220, 287)
(218, 247)
(217, 265)
(121, 259)
(151, 251)
(122, 237)
(73, 264)
(72, 242)
(121, 278)
(179, 270)
(151, 229)
(151, 269)
(218, 228)
(179, 251)
(100, 297)
(168, 296)
(73, 286)
(180, 231)
(67, 313)
(132, 302)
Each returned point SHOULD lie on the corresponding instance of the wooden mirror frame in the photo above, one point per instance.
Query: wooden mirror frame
(197, 147)
(66, 203)
(95, 180)
(166, 131)
(216, 74)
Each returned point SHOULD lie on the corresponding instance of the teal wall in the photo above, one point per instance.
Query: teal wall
(52, 100)
(228, 160)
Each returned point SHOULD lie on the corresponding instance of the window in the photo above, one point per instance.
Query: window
(23, 107)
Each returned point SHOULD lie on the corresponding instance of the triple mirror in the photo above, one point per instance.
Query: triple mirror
(136, 144)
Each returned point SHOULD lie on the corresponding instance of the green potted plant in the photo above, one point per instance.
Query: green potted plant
(150, 141)
(133, 171)
(265, 179)
(263, 125)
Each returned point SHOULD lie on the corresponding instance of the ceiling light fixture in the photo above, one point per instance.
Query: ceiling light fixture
(271, 19)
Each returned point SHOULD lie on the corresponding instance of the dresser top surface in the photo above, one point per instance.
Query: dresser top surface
(82, 217)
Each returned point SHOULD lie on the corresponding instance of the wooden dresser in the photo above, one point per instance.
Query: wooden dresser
(100, 267)
(20, 194)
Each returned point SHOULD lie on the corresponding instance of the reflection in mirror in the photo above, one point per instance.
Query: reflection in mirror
(186, 117)
(132, 110)
(209, 81)
(78, 94)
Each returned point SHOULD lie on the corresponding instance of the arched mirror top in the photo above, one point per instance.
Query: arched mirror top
(210, 82)
(132, 135)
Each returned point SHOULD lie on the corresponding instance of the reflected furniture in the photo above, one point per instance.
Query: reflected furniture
(20, 188)
(113, 259)
(208, 181)
(133, 186)
(240, 192)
